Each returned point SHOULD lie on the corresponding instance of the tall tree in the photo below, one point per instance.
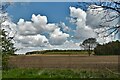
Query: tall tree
(89, 44)
(6, 42)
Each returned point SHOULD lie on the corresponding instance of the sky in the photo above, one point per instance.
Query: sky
(55, 12)
(53, 25)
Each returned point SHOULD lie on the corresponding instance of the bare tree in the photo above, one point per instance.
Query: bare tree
(113, 6)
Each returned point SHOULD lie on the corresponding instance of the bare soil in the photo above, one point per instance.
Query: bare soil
(64, 61)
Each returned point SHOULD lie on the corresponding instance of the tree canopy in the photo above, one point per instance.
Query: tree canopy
(111, 48)
(89, 44)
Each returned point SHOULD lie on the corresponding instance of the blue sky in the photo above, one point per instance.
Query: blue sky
(55, 11)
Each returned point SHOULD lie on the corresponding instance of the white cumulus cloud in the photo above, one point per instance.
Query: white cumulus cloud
(58, 37)
(82, 31)
(34, 34)
(33, 40)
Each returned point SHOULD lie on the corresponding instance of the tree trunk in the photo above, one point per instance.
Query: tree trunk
(89, 52)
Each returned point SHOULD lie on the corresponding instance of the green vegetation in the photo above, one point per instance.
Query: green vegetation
(89, 44)
(58, 52)
(111, 48)
(6, 41)
(0, 73)
(7, 47)
(57, 73)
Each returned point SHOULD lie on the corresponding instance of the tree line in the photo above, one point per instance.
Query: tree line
(111, 48)
(55, 50)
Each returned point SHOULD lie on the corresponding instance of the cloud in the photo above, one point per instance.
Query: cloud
(118, 35)
(36, 26)
(87, 24)
(64, 27)
(71, 45)
(78, 13)
(82, 31)
(41, 20)
(51, 27)
(68, 45)
(99, 16)
(39, 26)
(26, 28)
(32, 40)
(58, 37)
(36, 33)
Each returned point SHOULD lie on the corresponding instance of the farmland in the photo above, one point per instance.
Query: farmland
(60, 65)
(64, 61)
